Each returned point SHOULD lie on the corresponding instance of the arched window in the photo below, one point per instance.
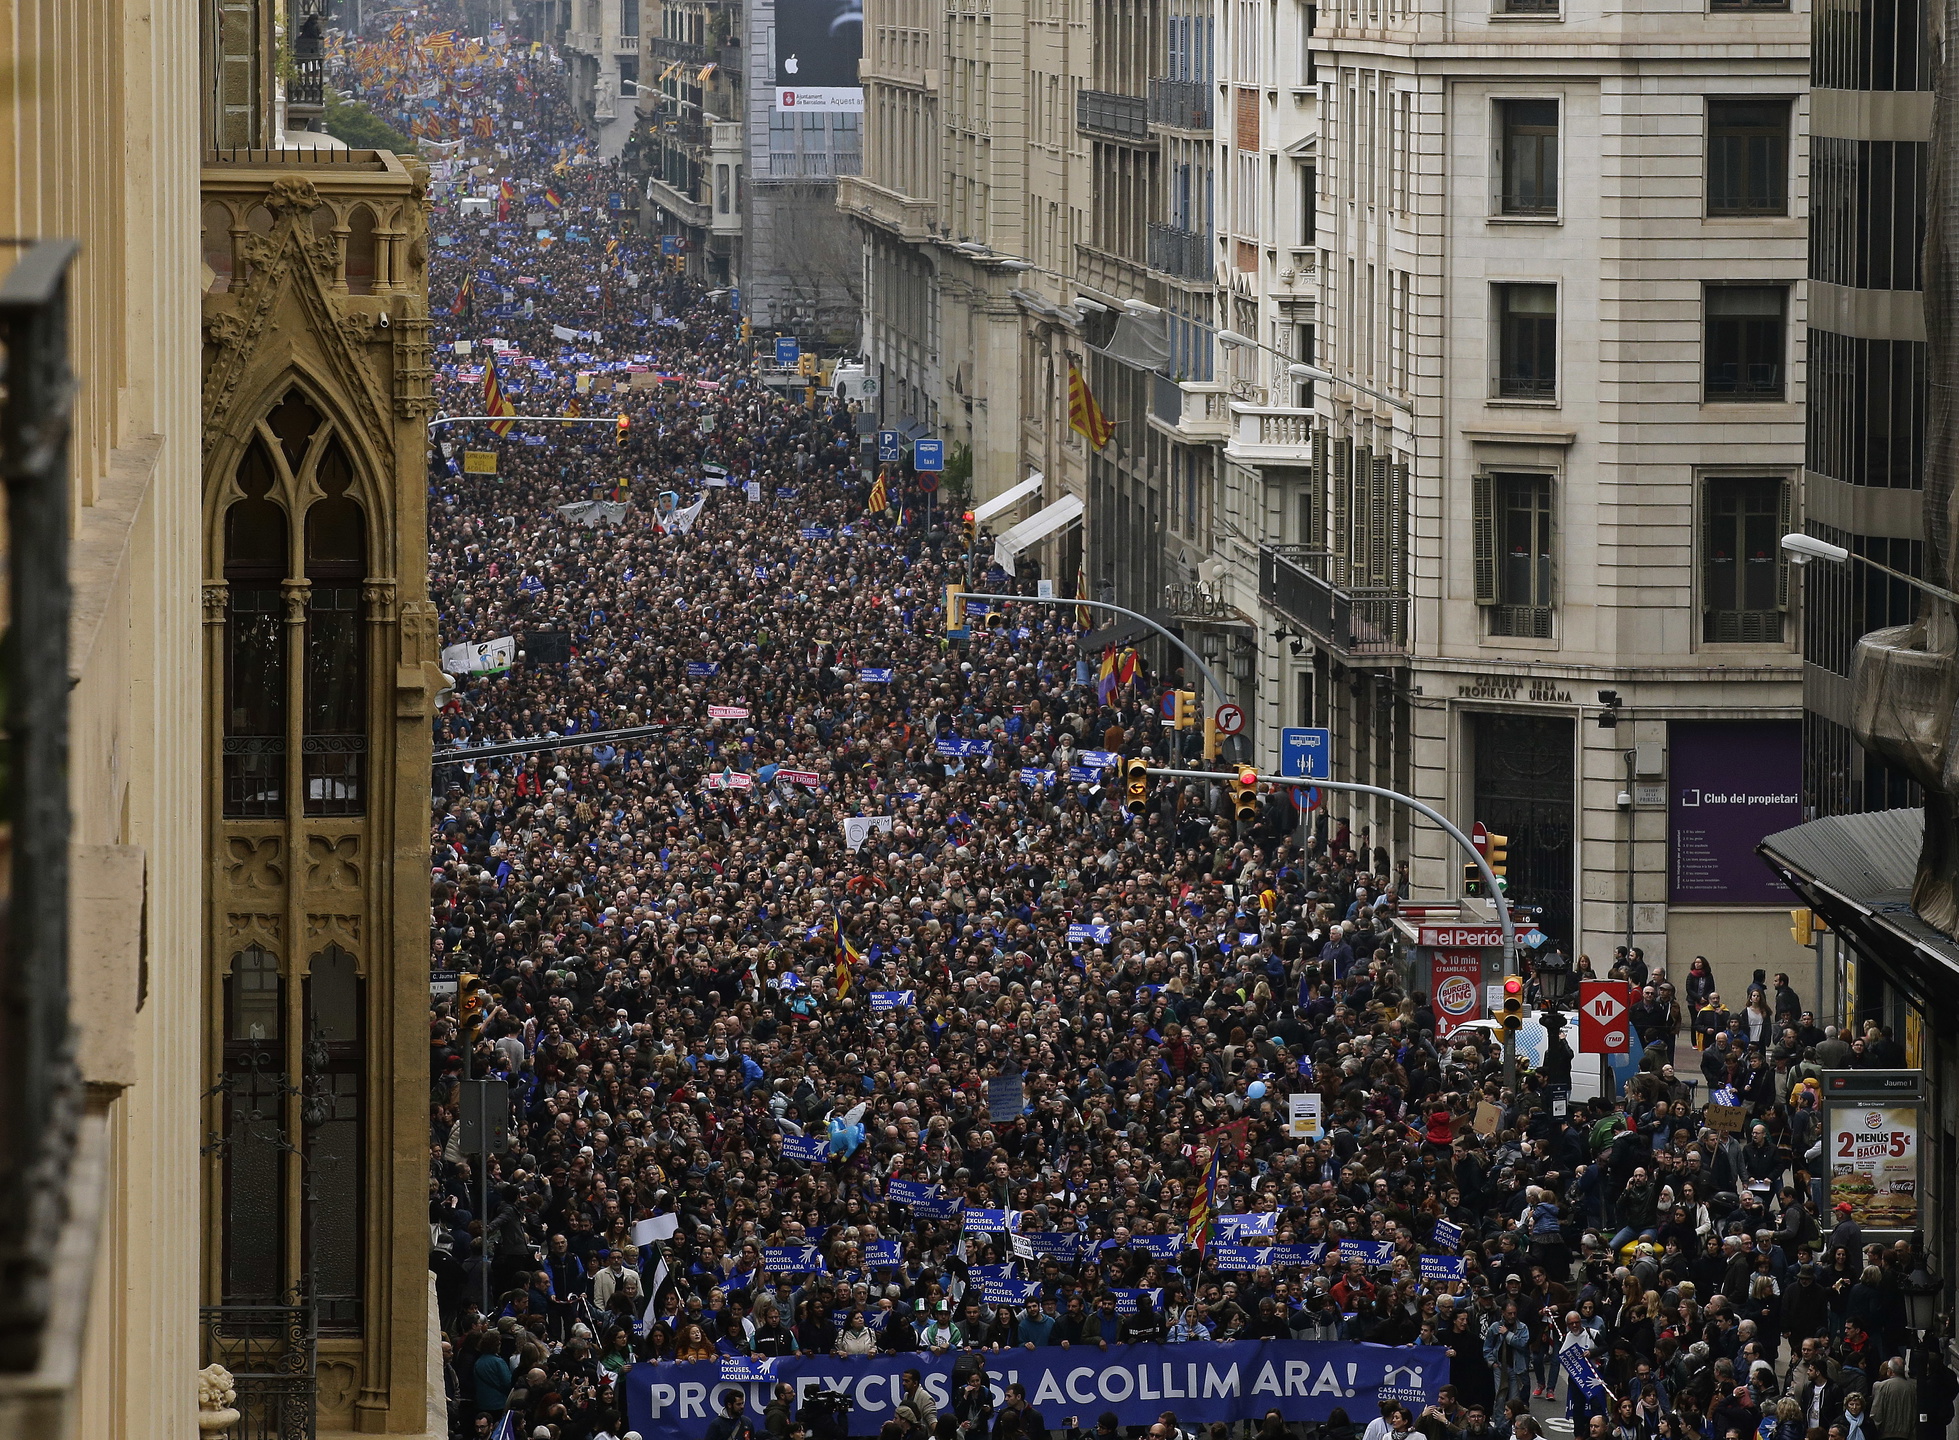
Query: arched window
(293, 421)
(255, 560)
(334, 1138)
(360, 251)
(335, 743)
(254, 1127)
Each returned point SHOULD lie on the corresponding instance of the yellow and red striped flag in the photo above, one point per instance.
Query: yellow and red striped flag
(495, 402)
(1084, 415)
(880, 500)
(1198, 1233)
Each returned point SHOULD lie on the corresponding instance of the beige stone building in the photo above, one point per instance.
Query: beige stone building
(238, 1110)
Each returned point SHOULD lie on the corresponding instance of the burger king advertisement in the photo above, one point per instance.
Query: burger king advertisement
(1873, 1154)
(1457, 999)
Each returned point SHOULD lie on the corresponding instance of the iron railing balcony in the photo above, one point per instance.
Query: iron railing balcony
(1180, 104)
(1363, 623)
(1187, 254)
(1110, 113)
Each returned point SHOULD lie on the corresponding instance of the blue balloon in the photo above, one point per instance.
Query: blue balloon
(1255, 1090)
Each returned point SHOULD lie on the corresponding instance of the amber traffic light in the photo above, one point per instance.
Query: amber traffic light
(1136, 786)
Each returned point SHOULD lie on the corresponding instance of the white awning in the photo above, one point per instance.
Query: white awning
(1007, 499)
(1035, 528)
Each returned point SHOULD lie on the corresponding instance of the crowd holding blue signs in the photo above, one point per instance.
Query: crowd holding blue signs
(1223, 1383)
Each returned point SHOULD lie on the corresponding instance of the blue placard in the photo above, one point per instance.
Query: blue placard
(1126, 1299)
(810, 1149)
(890, 447)
(984, 1222)
(939, 1207)
(1237, 1257)
(1221, 1383)
(1373, 1254)
(701, 669)
(746, 1369)
(909, 1192)
(869, 676)
(1306, 752)
(1258, 1222)
(1583, 1373)
(1008, 1292)
(1158, 1247)
(1063, 1245)
(1006, 1097)
(1088, 934)
(891, 999)
(817, 532)
(1447, 1235)
(928, 454)
(884, 1254)
(1442, 1269)
(792, 1259)
(788, 350)
(1305, 1256)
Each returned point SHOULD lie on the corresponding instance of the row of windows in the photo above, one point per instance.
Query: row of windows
(1747, 156)
(1869, 45)
(1742, 576)
(1743, 342)
(1867, 212)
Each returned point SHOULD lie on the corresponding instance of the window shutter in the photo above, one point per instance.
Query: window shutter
(1342, 460)
(1315, 535)
(1482, 524)
(1377, 523)
(1785, 524)
(1398, 529)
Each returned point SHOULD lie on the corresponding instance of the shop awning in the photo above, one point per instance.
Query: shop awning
(1857, 872)
(1036, 528)
(1008, 498)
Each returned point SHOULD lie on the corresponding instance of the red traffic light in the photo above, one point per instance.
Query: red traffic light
(623, 426)
(1247, 776)
(1512, 985)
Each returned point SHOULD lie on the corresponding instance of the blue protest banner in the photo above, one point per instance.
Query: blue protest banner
(701, 669)
(909, 1192)
(939, 1207)
(1583, 1373)
(792, 1259)
(891, 999)
(1208, 1384)
(746, 1369)
(1255, 1223)
(1442, 1269)
(1286, 1256)
(983, 1221)
(1447, 1236)
(1062, 1245)
(884, 1254)
(1094, 934)
(874, 677)
(1237, 1257)
(1127, 1301)
(1158, 1247)
(1100, 759)
(1008, 1292)
(817, 532)
(1372, 1253)
(810, 1149)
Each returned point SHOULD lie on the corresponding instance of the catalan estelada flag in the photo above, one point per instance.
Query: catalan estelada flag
(1198, 1233)
(463, 292)
(495, 402)
(880, 500)
(485, 128)
(1084, 415)
(440, 40)
(1084, 616)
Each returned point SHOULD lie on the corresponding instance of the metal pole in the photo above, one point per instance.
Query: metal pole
(1195, 659)
(1632, 823)
(547, 419)
(1462, 840)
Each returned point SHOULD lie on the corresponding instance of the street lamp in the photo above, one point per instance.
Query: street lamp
(1801, 549)
(1309, 374)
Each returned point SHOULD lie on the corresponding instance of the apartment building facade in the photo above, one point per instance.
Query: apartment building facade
(1531, 569)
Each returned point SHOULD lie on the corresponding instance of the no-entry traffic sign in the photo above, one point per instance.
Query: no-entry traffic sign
(1229, 719)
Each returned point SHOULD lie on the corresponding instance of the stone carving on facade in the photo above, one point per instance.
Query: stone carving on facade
(216, 1395)
(254, 862)
(216, 599)
(1905, 679)
(336, 1380)
(324, 927)
(333, 862)
(242, 926)
(291, 257)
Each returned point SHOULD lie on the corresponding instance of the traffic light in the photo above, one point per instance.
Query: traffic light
(1244, 796)
(1136, 786)
(620, 430)
(1472, 880)
(1183, 710)
(1497, 852)
(955, 611)
(1513, 1005)
(1213, 741)
(470, 1011)
(969, 529)
(1805, 926)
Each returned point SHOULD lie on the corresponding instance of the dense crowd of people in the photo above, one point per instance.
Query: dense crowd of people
(722, 1009)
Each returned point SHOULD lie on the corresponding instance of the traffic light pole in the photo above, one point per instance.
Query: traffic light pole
(1354, 787)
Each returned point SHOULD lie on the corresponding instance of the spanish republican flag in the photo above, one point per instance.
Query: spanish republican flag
(880, 500)
(552, 198)
(1198, 1233)
(495, 402)
(1084, 415)
(1105, 679)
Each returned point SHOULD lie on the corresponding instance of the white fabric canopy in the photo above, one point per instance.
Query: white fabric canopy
(1007, 499)
(1035, 528)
